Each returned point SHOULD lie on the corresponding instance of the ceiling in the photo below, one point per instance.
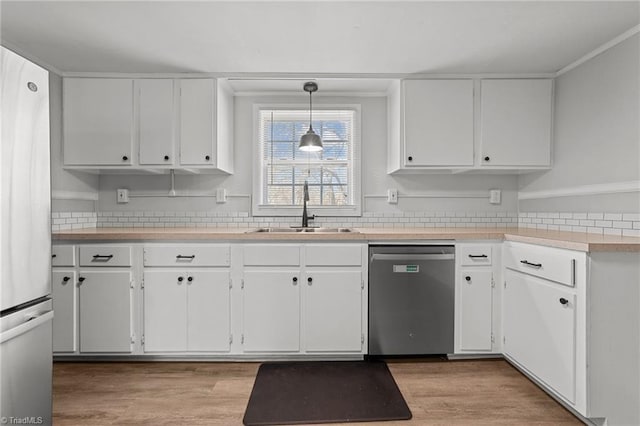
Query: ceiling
(312, 37)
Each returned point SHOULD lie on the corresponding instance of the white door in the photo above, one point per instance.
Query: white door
(475, 310)
(156, 121)
(271, 311)
(63, 289)
(539, 330)
(333, 311)
(105, 311)
(165, 311)
(438, 122)
(208, 316)
(98, 121)
(197, 121)
(515, 122)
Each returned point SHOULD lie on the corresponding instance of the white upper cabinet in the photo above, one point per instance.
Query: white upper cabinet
(148, 124)
(206, 123)
(98, 122)
(469, 125)
(156, 124)
(197, 123)
(515, 122)
(438, 122)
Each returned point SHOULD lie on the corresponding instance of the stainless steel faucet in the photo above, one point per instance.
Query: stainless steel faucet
(305, 198)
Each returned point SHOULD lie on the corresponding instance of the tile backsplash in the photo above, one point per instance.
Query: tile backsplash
(622, 224)
(367, 220)
(61, 221)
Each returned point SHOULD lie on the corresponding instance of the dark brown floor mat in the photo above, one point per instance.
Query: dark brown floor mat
(324, 392)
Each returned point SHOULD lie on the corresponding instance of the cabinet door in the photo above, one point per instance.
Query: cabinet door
(98, 121)
(165, 311)
(63, 290)
(438, 122)
(475, 310)
(539, 330)
(208, 316)
(156, 121)
(271, 311)
(197, 121)
(105, 311)
(333, 311)
(515, 123)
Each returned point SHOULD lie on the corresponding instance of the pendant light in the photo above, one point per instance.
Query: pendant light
(310, 141)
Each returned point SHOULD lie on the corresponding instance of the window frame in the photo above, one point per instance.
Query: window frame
(259, 209)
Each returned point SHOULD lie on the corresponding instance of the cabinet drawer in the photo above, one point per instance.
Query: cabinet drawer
(476, 254)
(63, 255)
(272, 255)
(187, 254)
(333, 255)
(105, 255)
(546, 262)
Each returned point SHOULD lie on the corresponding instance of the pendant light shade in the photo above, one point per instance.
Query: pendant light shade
(310, 141)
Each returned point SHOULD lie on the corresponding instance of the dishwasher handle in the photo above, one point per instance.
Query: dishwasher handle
(412, 256)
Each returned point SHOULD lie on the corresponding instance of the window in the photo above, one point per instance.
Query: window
(332, 174)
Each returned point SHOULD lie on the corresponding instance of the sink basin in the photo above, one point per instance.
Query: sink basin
(274, 230)
(294, 230)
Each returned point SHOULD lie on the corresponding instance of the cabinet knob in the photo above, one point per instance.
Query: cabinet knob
(468, 278)
(125, 158)
(54, 255)
(166, 158)
(180, 279)
(81, 279)
(487, 158)
(65, 279)
(190, 279)
(309, 280)
(410, 158)
(295, 280)
(564, 301)
(207, 157)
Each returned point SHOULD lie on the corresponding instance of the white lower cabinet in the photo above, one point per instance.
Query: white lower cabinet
(271, 311)
(540, 329)
(477, 313)
(333, 311)
(64, 295)
(105, 306)
(475, 310)
(186, 311)
(303, 298)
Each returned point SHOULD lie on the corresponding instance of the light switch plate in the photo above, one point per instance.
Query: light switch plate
(392, 196)
(122, 196)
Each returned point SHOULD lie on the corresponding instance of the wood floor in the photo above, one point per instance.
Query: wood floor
(484, 392)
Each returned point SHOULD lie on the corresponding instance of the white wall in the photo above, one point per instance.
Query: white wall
(597, 134)
(375, 181)
(65, 183)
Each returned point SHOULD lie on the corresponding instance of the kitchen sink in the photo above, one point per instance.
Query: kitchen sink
(294, 230)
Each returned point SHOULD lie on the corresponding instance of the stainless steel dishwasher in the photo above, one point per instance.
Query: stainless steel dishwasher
(411, 299)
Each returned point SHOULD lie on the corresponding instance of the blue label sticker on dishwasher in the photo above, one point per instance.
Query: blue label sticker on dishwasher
(406, 268)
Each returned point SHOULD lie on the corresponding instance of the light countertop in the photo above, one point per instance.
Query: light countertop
(568, 240)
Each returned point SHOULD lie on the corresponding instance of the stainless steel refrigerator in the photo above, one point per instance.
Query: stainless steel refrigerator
(25, 243)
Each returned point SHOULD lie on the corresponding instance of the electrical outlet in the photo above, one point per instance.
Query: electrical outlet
(122, 196)
(221, 195)
(392, 196)
(494, 196)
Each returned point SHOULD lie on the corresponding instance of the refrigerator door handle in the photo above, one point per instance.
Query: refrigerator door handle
(29, 324)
